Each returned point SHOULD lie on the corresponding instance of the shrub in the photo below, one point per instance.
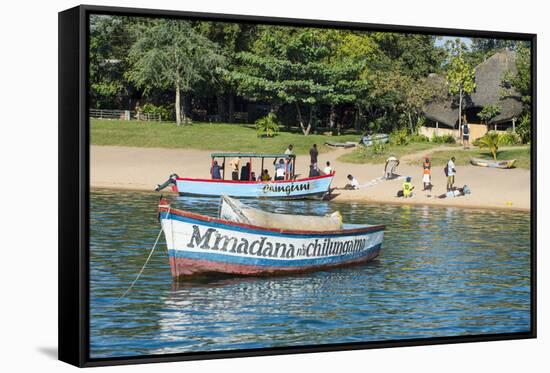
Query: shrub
(523, 129)
(399, 137)
(444, 139)
(166, 113)
(378, 148)
(267, 126)
(510, 138)
(419, 138)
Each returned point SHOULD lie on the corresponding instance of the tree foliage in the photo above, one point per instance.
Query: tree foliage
(170, 54)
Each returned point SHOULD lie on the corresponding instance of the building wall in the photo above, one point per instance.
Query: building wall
(476, 131)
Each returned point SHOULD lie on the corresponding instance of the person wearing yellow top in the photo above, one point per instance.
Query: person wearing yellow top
(407, 188)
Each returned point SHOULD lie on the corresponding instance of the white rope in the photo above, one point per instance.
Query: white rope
(144, 264)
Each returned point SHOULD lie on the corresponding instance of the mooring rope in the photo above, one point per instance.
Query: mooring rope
(144, 264)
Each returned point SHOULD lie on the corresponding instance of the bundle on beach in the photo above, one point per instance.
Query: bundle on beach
(233, 210)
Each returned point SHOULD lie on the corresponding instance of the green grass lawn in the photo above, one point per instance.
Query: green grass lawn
(522, 154)
(366, 155)
(205, 136)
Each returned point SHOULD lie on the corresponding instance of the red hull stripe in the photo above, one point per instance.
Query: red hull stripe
(181, 267)
(253, 182)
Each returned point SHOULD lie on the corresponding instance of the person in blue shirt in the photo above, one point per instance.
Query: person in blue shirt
(215, 170)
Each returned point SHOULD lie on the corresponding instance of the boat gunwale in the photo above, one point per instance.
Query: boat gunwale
(164, 207)
(259, 182)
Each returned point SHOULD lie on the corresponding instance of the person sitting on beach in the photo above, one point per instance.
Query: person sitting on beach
(353, 183)
(215, 170)
(280, 169)
(427, 174)
(314, 170)
(389, 168)
(408, 188)
(327, 170)
(265, 175)
(245, 172)
(456, 192)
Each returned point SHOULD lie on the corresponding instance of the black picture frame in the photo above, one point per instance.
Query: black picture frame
(74, 189)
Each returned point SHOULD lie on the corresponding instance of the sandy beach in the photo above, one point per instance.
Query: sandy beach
(114, 167)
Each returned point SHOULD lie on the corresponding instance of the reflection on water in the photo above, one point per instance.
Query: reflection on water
(442, 272)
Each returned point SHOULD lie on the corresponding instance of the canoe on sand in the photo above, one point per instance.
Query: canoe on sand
(492, 164)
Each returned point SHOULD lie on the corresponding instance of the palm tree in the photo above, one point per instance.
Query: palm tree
(491, 141)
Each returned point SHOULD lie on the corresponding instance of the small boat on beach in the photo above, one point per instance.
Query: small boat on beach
(347, 144)
(246, 241)
(288, 186)
(368, 140)
(491, 163)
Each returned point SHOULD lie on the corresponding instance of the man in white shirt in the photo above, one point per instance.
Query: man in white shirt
(451, 171)
(280, 169)
(353, 183)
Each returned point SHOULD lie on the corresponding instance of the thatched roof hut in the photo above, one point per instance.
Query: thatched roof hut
(488, 77)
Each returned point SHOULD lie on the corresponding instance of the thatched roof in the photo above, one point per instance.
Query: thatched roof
(489, 90)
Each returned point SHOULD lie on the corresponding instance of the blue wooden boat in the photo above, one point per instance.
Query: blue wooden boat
(199, 244)
(290, 187)
(368, 140)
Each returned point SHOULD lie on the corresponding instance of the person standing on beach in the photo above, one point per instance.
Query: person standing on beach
(427, 174)
(313, 153)
(451, 171)
(465, 134)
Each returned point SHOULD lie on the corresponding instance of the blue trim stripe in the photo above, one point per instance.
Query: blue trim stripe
(212, 224)
(252, 261)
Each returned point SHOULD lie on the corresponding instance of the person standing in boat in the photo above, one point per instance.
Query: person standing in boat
(313, 154)
(427, 174)
(314, 170)
(465, 134)
(280, 169)
(245, 172)
(215, 170)
(450, 171)
(289, 150)
(235, 168)
(328, 169)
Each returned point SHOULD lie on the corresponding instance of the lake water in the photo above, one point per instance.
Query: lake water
(441, 272)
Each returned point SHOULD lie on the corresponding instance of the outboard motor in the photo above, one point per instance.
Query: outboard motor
(171, 181)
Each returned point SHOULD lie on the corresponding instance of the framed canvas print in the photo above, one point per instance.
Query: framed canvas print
(234, 186)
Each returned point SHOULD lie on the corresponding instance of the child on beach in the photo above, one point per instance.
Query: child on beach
(427, 174)
(408, 188)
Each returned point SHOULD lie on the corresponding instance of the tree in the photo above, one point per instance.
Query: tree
(488, 112)
(520, 80)
(491, 141)
(170, 54)
(109, 44)
(460, 75)
(293, 66)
